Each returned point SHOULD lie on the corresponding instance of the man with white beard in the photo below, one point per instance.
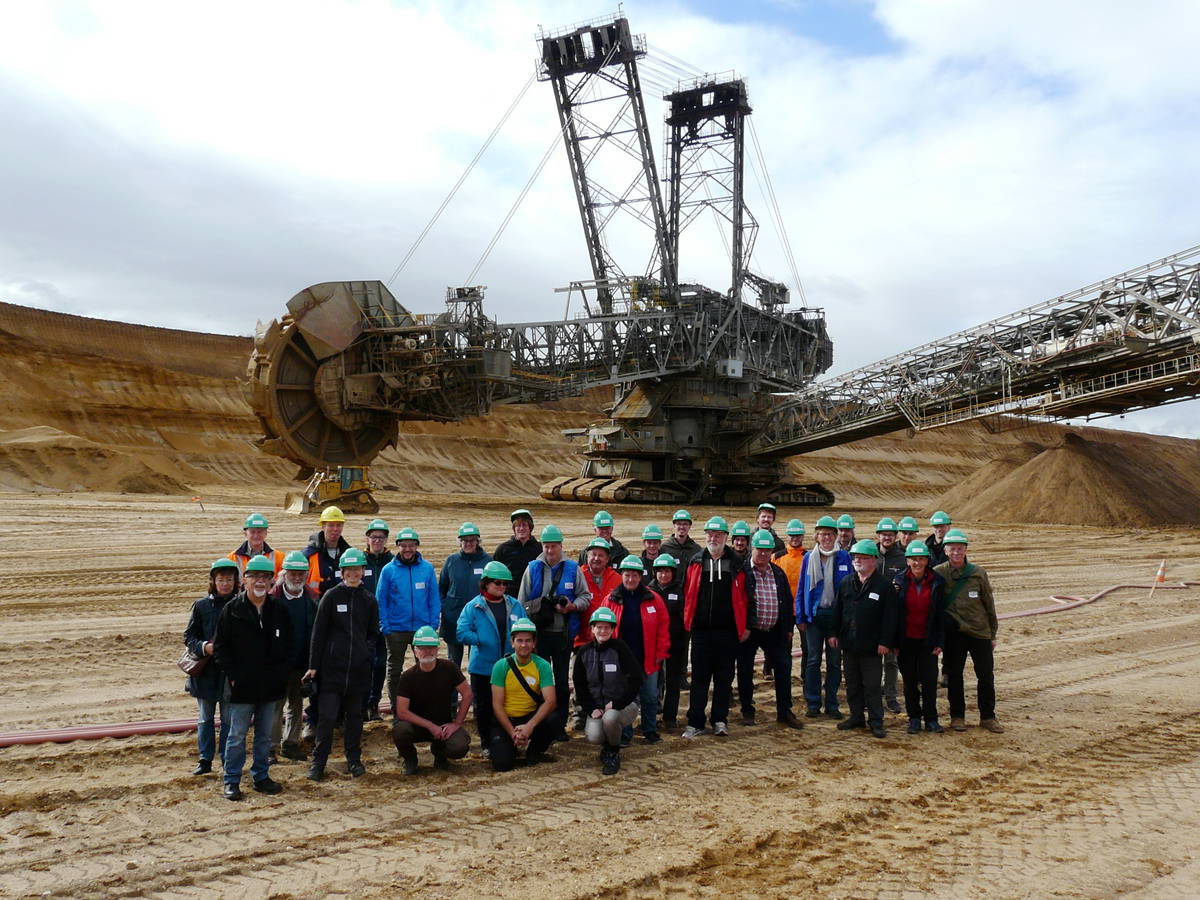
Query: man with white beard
(824, 568)
(425, 706)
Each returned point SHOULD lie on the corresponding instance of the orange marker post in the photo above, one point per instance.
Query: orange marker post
(201, 502)
(1160, 578)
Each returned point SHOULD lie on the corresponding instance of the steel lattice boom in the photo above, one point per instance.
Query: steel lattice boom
(1129, 342)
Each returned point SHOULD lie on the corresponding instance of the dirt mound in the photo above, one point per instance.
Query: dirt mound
(45, 459)
(1133, 483)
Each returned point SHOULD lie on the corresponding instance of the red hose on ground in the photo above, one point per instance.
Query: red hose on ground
(180, 726)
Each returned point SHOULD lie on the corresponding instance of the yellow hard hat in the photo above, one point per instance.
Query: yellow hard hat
(331, 514)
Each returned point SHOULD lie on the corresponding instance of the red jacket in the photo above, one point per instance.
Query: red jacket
(656, 626)
(609, 582)
(691, 591)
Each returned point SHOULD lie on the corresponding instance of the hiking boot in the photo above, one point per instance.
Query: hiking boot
(293, 751)
(626, 739)
(562, 737)
(748, 719)
(232, 792)
(914, 726)
(834, 714)
(992, 725)
(878, 731)
(958, 724)
(356, 769)
(610, 761)
(670, 724)
(441, 762)
(268, 786)
(721, 729)
(652, 738)
(690, 732)
(788, 720)
(814, 712)
(934, 727)
(410, 764)
(316, 772)
(203, 767)
(893, 705)
(537, 758)
(850, 724)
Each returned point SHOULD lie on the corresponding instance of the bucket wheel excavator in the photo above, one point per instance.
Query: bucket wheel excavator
(694, 371)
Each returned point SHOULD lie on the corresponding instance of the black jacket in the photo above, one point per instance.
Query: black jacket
(937, 550)
(302, 611)
(618, 553)
(373, 568)
(343, 639)
(684, 552)
(893, 562)
(517, 557)
(202, 628)
(935, 625)
(589, 675)
(864, 614)
(253, 649)
(787, 606)
(672, 597)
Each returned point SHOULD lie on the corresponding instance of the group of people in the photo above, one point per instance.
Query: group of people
(302, 643)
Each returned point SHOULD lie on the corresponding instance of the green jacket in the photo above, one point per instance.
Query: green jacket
(973, 607)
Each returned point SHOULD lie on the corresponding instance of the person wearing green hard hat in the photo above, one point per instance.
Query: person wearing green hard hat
(908, 528)
(555, 596)
(940, 523)
(601, 579)
(680, 544)
(845, 532)
(892, 563)
(770, 617)
(339, 660)
(251, 645)
(739, 538)
(522, 548)
(865, 613)
(208, 684)
(608, 681)
(432, 699)
(458, 584)
(408, 598)
(792, 558)
(524, 695)
(378, 556)
(971, 628)
(300, 601)
(255, 543)
(765, 520)
(603, 524)
(643, 623)
(652, 541)
(825, 567)
(484, 625)
(921, 634)
(714, 612)
(666, 580)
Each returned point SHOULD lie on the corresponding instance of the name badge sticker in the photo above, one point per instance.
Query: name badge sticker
(420, 585)
(672, 596)
(342, 607)
(973, 594)
(366, 571)
(513, 617)
(568, 585)
(276, 632)
(651, 609)
(337, 573)
(873, 595)
(532, 681)
(479, 571)
(841, 568)
(610, 667)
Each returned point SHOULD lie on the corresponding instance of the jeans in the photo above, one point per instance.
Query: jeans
(240, 717)
(206, 741)
(920, 670)
(777, 651)
(555, 648)
(504, 752)
(610, 727)
(648, 703)
(332, 705)
(815, 636)
(864, 672)
(890, 670)
(714, 658)
(958, 647)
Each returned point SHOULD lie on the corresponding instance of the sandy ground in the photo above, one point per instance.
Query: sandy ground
(1094, 789)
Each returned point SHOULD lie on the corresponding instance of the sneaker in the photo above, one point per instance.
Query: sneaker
(878, 731)
(652, 738)
(690, 732)
(720, 729)
(410, 765)
(316, 773)
(934, 727)
(610, 761)
(914, 726)
(991, 725)
(232, 792)
(356, 769)
(958, 724)
(834, 714)
(893, 705)
(789, 720)
(203, 767)
(268, 786)
(850, 724)
(814, 712)
(748, 719)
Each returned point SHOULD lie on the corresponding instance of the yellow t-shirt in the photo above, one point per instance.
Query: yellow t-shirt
(537, 674)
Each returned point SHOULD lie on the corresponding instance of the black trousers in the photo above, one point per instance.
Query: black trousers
(863, 675)
(714, 659)
(504, 752)
(485, 719)
(676, 672)
(555, 648)
(919, 668)
(774, 644)
(332, 705)
(958, 647)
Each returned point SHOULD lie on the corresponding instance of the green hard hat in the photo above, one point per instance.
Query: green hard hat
(407, 534)
(909, 524)
(551, 534)
(865, 547)
(226, 563)
(352, 557)
(468, 529)
(377, 525)
(523, 625)
(603, 614)
(497, 571)
(632, 563)
(845, 522)
(260, 564)
(518, 513)
(763, 540)
(939, 518)
(955, 536)
(796, 527)
(740, 529)
(603, 519)
(885, 524)
(916, 548)
(681, 515)
(826, 522)
(716, 523)
(426, 637)
(652, 533)
(768, 506)
(256, 520)
(295, 561)
(599, 543)
(665, 561)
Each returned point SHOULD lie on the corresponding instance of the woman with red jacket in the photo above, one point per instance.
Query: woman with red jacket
(920, 636)
(643, 623)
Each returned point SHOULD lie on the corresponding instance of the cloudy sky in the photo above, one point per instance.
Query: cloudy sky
(938, 162)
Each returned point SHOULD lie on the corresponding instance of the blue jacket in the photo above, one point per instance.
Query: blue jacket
(477, 627)
(809, 595)
(458, 584)
(408, 595)
(538, 579)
